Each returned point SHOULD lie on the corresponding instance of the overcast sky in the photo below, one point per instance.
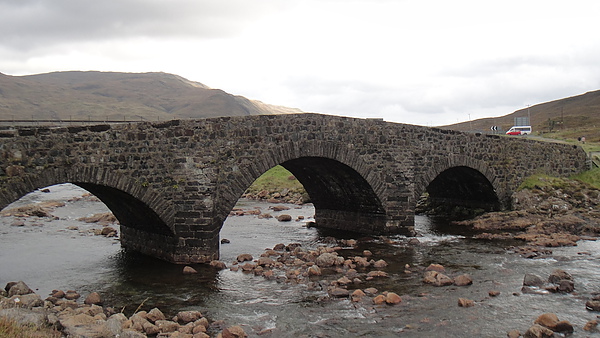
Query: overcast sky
(427, 62)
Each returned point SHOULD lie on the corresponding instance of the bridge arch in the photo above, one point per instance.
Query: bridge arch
(134, 205)
(343, 188)
(461, 180)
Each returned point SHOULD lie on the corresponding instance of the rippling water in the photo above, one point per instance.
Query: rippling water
(47, 256)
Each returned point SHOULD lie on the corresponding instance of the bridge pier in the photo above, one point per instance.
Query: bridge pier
(201, 249)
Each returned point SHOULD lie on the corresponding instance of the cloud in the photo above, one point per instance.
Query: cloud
(30, 24)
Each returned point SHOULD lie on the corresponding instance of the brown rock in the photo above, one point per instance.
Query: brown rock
(591, 325)
(185, 317)
(72, 295)
(548, 320)
(563, 326)
(344, 280)
(265, 261)
(284, 218)
(154, 315)
(435, 267)
(566, 286)
(18, 288)
(326, 259)
(234, 332)
(166, 326)
(513, 334)
(57, 294)
(339, 292)
(380, 264)
(188, 270)
(436, 278)
(538, 331)
(218, 265)
(558, 275)
(392, 298)
(380, 299)
(314, 270)
(377, 274)
(494, 293)
(464, 302)
(463, 280)
(371, 291)
(593, 305)
(93, 298)
(244, 257)
(357, 295)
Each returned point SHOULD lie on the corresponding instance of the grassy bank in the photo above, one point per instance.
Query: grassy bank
(589, 177)
(275, 180)
(11, 329)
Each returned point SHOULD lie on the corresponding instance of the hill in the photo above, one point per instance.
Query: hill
(119, 96)
(566, 118)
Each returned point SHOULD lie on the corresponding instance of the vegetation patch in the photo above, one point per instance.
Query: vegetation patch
(10, 329)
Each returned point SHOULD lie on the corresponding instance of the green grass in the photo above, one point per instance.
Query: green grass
(540, 181)
(591, 177)
(276, 179)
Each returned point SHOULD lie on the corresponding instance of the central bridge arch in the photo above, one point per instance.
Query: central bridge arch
(347, 193)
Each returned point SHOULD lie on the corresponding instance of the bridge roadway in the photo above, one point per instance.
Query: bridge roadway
(172, 184)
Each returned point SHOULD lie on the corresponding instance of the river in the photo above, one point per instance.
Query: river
(62, 254)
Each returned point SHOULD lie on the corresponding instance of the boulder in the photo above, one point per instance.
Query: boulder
(339, 292)
(18, 288)
(558, 275)
(538, 331)
(548, 320)
(463, 280)
(326, 259)
(464, 302)
(93, 298)
(314, 270)
(566, 286)
(218, 265)
(532, 280)
(563, 326)
(379, 299)
(436, 278)
(591, 325)
(380, 264)
(154, 315)
(188, 270)
(72, 295)
(166, 326)
(185, 317)
(27, 301)
(357, 295)
(435, 267)
(244, 257)
(392, 298)
(265, 261)
(284, 218)
(593, 305)
(234, 332)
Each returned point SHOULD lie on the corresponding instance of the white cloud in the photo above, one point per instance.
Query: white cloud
(423, 62)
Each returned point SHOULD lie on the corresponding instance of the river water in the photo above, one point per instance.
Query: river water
(63, 254)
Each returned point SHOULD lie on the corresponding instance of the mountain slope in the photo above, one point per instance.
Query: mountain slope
(579, 112)
(120, 96)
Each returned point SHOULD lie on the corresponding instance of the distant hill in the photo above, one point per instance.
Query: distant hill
(576, 115)
(120, 96)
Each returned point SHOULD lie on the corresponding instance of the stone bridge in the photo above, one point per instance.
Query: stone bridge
(172, 184)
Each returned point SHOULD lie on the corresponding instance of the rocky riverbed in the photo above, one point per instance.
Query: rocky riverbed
(363, 286)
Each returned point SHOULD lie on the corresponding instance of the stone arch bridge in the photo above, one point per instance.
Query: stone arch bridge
(172, 184)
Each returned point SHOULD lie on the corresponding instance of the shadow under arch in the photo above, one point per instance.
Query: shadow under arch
(333, 185)
(130, 211)
(462, 186)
